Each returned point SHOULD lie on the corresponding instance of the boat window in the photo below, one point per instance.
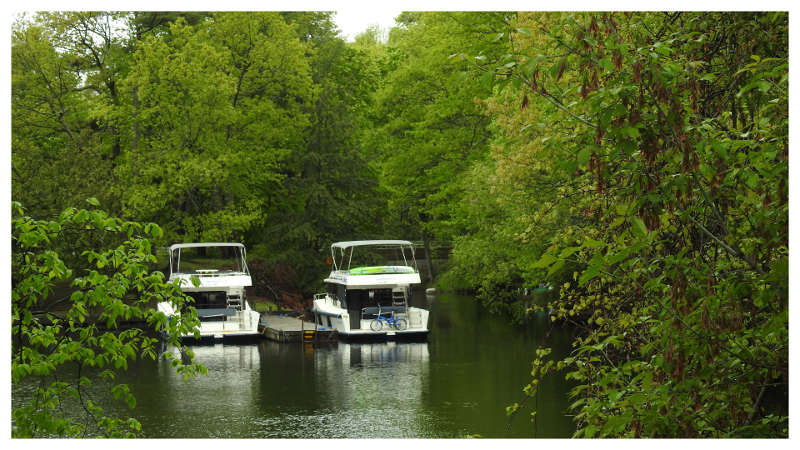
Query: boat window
(337, 292)
(319, 319)
(382, 297)
(208, 260)
(373, 256)
(329, 321)
(204, 300)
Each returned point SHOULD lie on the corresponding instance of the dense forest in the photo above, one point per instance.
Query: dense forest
(637, 163)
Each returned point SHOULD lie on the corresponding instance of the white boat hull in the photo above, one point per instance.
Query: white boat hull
(242, 323)
(332, 316)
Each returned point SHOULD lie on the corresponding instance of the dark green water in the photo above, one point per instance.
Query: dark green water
(458, 383)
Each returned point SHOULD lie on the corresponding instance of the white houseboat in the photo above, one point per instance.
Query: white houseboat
(369, 291)
(219, 299)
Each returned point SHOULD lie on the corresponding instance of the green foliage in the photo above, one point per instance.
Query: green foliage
(513, 204)
(217, 106)
(52, 117)
(428, 126)
(329, 187)
(80, 333)
(677, 272)
(218, 126)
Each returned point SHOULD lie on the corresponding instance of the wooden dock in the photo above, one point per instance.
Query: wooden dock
(282, 328)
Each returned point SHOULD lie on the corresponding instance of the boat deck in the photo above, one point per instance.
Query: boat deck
(282, 328)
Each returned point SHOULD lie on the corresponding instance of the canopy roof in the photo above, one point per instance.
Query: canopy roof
(205, 244)
(348, 244)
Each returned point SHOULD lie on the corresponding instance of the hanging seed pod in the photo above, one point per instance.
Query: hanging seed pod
(637, 72)
(561, 67)
(634, 116)
(612, 24)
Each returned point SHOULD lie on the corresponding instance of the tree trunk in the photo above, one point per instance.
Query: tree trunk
(426, 244)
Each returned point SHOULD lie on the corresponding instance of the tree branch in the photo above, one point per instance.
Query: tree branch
(737, 252)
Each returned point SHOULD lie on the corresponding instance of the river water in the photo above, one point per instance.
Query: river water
(456, 384)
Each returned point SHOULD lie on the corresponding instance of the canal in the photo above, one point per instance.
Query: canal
(456, 384)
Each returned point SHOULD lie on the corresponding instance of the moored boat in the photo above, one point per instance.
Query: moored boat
(369, 291)
(219, 298)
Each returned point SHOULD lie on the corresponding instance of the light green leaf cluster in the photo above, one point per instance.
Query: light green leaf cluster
(82, 331)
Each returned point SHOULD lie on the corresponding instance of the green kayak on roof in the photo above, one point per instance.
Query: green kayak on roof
(375, 270)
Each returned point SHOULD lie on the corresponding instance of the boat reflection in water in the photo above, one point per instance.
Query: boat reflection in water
(346, 390)
(268, 389)
(392, 355)
(374, 374)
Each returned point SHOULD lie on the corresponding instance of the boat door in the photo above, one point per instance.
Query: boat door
(354, 311)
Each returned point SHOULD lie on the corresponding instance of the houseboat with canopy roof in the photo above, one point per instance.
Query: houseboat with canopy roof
(369, 291)
(219, 298)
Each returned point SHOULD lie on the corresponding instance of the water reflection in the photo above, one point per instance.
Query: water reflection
(457, 383)
(212, 405)
(375, 389)
(268, 389)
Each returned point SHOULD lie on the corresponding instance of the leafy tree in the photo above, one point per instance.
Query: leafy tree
(680, 277)
(63, 343)
(329, 189)
(429, 128)
(516, 200)
(213, 123)
(54, 143)
(68, 71)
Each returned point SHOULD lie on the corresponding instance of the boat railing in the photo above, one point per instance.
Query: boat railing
(372, 312)
(213, 273)
(327, 299)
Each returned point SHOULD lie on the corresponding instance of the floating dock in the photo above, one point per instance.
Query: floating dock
(283, 328)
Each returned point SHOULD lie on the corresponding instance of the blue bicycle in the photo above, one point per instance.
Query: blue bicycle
(398, 323)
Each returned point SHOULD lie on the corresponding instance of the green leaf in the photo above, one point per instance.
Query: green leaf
(545, 260)
(606, 64)
(568, 252)
(584, 155)
(591, 243)
(638, 227)
(631, 132)
(589, 274)
(555, 267)
(487, 80)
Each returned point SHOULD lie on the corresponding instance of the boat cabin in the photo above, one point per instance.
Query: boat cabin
(207, 259)
(222, 272)
(369, 277)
